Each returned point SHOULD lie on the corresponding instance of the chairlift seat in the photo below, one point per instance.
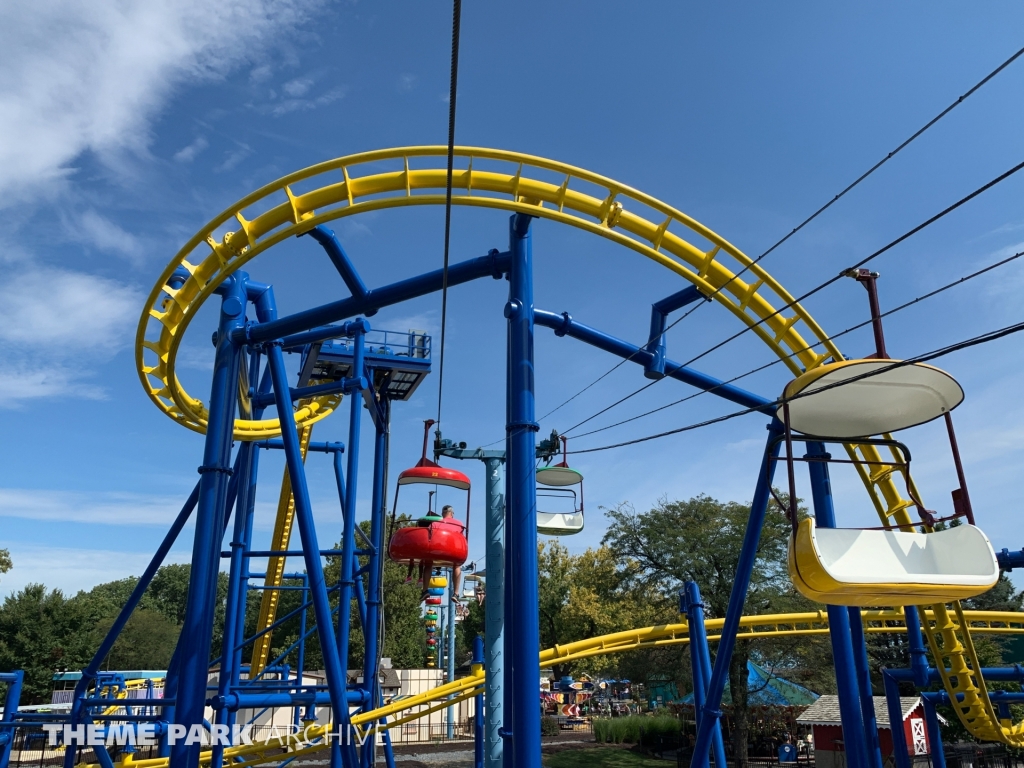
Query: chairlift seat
(438, 582)
(834, 401)
(559, 524)
(847, 566)
(559, 476)
(435, 543)
(434, 474)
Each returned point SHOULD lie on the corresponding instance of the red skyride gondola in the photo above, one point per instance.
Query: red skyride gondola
(431, 540)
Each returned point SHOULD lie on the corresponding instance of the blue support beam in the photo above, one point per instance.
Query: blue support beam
(197, 629)
(494, 264)
(1009, 560)
(738, 595)
(840, 631)
(564, 325)
(373, 608)
(340, 259)
(521, 516)
(14, 681)
(700, 664)
(478, 704)
(334, 671)
(867, 702)
(655, 368)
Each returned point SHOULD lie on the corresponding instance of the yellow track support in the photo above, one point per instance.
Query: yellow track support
(751, 627)
(512, 181)
(275, 565)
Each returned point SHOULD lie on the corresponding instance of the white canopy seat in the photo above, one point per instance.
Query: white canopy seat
(558, 480)
(559, 524)
(834, 401)
(847, 566)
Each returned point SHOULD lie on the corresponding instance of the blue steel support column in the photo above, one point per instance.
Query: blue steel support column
(197, 629)
(348, 535)
(90, 671)
(228, 675)
(375, 582)
(522, 509)
(14, 682)
(450, 671)
(918, 654)
(300, 664)
(700, 663)
(478, 708)
(843, 652)
(333, 669)
(931, 718)
(494, 612)
(895, 709)
(867, 699)
(744, 569)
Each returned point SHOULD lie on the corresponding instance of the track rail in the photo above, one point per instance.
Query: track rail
(491, 178)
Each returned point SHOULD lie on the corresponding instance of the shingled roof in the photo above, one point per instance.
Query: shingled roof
(825, 711)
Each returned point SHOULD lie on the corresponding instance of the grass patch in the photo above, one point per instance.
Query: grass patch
(627, 730)
(601, 757)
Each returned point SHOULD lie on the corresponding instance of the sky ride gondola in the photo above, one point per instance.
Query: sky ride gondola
(430, 541)
(557, 482)
(854, 400)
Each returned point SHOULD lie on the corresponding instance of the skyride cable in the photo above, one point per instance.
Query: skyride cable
(974, 341)
(816, 289)
(804, 223)
(452, 89)
(778, 360)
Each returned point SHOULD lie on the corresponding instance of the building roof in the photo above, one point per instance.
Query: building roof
(825, 711)
(130, 674)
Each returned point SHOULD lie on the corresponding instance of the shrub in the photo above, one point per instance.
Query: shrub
(549, 726)
(628, 730)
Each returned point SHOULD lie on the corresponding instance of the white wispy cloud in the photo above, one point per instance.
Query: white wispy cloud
(234, 157)
(407, 81)
(91, 76)
(70, 570)
(99, 232)
(38, 353)
(188, 154)
(89, 507)
(302, 105)
(297, 87)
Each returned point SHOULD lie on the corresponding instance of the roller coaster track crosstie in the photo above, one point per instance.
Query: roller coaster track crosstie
(525, 184)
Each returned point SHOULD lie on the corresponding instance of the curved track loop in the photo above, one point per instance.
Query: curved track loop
(511, 181)
(751, 627)
(487, 178)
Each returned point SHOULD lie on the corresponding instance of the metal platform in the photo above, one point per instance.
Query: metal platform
(398, 361)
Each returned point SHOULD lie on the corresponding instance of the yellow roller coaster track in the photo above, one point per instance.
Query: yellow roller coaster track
(511, 181)
(751, 627)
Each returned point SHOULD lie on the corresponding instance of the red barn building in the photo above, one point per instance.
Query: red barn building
(829, 751)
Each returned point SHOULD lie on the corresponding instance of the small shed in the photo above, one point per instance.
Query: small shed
(829, 749)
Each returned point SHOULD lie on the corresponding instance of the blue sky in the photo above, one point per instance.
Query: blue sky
(126, 126)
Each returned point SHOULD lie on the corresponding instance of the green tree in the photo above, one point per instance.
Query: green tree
(5, 561)
(582, 596)
(146, 641)
(699, 540)
(41, 632)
